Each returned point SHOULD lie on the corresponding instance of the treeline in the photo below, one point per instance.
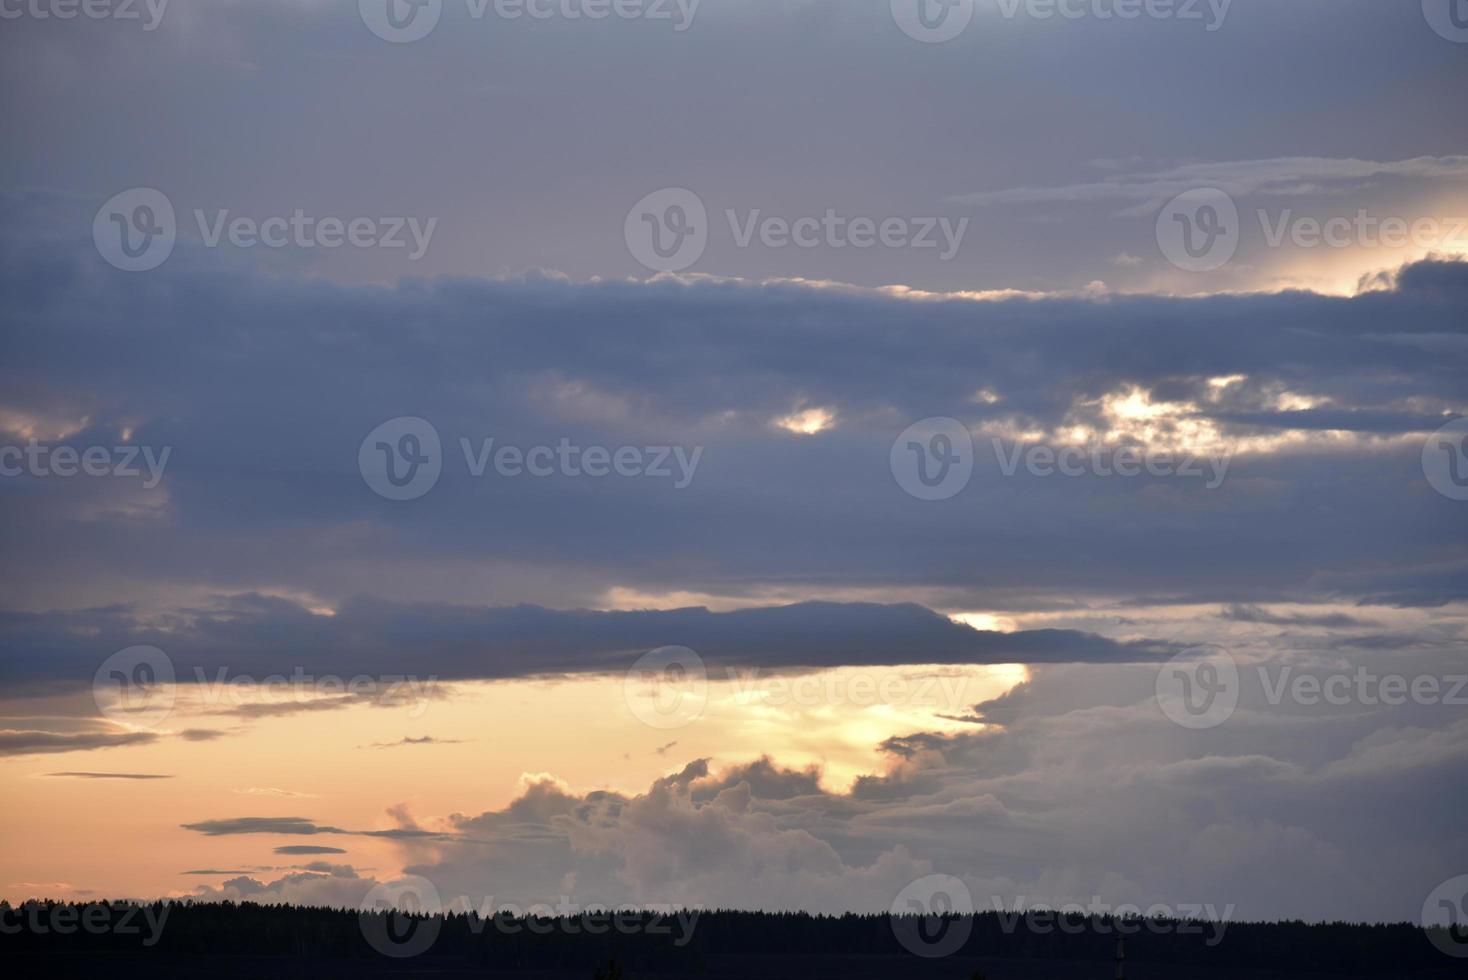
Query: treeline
(682, 945)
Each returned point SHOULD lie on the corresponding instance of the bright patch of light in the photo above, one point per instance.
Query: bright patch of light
(985, 621)
(807, 422)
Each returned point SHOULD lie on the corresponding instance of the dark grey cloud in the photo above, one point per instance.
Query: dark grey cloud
(260, 825)
(273, 483)
(308, 849)
(260, 636)
(108, 775)
(234, 826)
(1246, 613)
(25, 742)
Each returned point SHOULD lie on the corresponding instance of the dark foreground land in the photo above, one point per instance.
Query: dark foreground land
(252, 941)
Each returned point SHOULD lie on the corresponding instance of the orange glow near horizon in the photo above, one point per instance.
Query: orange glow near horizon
(71, 836)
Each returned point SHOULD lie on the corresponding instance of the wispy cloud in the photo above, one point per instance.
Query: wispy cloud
(108, 775)
(30, 742)
(1150, 189)
(422, 740)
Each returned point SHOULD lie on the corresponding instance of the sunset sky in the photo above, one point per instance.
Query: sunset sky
(719, 454)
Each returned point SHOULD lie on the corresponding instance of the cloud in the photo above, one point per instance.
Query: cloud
(332, 886)
(234, 826)
(108, 775)
(259, 636)
(423, 740)
(23, 742)
(1276, 176)
(274, 791)
(308, 849)
(1245, 613)
(306, 537)
(260, 825)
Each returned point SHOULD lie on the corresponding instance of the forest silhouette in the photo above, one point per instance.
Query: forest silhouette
(239, 939)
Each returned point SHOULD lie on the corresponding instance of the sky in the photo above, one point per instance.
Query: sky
(746, 453)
